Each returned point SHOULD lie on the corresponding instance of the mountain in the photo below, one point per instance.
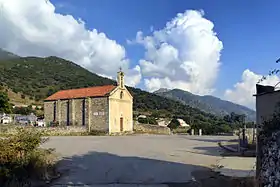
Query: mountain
(36, 78)
(161, 90)
(207, 103)
(4, 55)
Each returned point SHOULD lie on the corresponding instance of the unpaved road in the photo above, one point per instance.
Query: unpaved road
(143, 159)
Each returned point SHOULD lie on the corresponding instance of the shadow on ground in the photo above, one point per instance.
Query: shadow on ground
(105, 168)
(213, 140)
(214, 150)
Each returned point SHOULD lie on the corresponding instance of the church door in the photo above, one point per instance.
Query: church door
(121, 124)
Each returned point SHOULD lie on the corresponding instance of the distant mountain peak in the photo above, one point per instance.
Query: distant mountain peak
(162, 90)
(4, 55)
(207, 103)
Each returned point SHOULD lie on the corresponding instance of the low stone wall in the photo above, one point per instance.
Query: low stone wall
(78, 130)
(151, 129)
(48, 131)
(181, 130)
(63, 131)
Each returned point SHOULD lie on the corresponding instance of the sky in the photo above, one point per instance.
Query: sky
(220, 48)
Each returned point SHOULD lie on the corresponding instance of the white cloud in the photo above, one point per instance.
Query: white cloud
(242, 92)
(133, 76)
(185, 54)
(31, 27)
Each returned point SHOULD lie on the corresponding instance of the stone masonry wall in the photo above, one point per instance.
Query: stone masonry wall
(269, 173)
(49, 131)
(151, 129)
(72, 112)
(99, 114)
(48, 111)
(78, 112)
(96, 113)
(63, 113)
(268, 150)
(58, 112)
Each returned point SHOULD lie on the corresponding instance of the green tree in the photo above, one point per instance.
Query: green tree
(148, 120)
(24, 110)
(4, 103)
(174, 124)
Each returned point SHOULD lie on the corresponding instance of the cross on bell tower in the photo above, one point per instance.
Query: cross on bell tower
(121, 78)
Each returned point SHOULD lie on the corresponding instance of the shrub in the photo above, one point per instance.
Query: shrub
(22, 160)
(148, 120)
(174, 124)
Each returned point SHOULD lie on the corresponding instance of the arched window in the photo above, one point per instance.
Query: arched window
(121, 95)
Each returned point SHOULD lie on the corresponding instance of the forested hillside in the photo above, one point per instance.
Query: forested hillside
(208, 103)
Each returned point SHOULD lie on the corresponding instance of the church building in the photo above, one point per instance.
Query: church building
(101, 108)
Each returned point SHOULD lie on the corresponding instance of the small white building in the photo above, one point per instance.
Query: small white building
(183, 123)
(141, 116)
(163, 122)
(5, 119)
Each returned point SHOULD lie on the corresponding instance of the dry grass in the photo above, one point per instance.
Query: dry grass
(16, 98)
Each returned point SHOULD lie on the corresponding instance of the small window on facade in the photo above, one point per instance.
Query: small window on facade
(121, 95)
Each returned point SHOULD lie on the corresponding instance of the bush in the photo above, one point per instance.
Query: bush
(174, 124)
(148, 120)
(21, 159)
(23, 110)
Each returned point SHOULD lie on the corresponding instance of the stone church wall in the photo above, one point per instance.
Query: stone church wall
(48, 111)
(96, 112)
(63, 112)
(99, 115)
(77, 112)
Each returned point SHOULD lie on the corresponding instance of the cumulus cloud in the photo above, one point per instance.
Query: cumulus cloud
(185, 54)
(33, 28)
(242, 92)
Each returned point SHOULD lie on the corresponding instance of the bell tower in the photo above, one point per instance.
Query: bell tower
(120, 78)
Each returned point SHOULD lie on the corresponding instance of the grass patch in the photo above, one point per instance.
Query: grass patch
(23, 162)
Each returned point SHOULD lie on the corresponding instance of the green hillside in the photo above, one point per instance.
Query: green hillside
(7, 55)
(38, 78)
(208, 103)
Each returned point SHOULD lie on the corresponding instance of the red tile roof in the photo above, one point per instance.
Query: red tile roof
(97, 91)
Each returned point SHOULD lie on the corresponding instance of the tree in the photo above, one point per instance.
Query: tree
(148, 120)
(273, 72)
(23, 110)
(5, 106)
(174, 124)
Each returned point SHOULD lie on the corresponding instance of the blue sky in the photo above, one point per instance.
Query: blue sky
(183, 54)
(249, 30)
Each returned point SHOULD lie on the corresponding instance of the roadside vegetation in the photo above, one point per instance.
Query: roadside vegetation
(23, 162)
